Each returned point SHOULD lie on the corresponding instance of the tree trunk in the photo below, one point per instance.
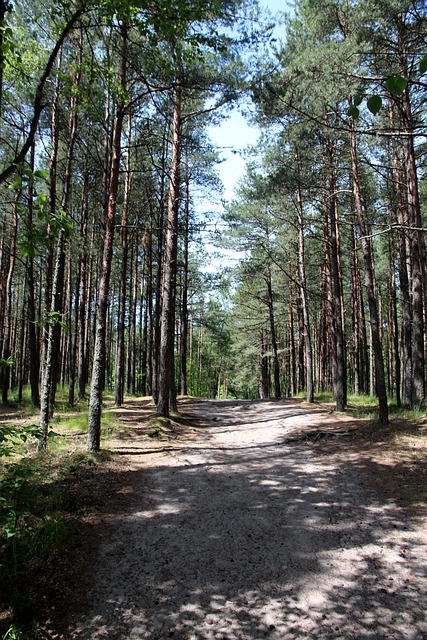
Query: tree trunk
(74, 338)
(119, 382)
(155, 351)
(33, 342)
(418, 249)
(49, 356)
(292, 350)
(340, 374)
(184, 297)
(167, 320)
(264, 383)
(276, 368)
(95, 403)
(369, 283)
(131, 375)
(309, 386)
(4, 8)
(150, 317)
(7, 329)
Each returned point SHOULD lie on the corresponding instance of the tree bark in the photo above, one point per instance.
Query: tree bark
(309, 386)
(33, 342)
(7, 328)
(95, 403)
(184, 297)
(119, 381)
(264, 382)
(418, 248)
(369, 283)
(340, 373)
(167, 320)
(276, 367)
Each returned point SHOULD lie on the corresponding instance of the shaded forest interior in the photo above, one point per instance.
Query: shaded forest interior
(107, 178)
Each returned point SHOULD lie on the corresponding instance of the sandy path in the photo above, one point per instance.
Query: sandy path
(242, 536)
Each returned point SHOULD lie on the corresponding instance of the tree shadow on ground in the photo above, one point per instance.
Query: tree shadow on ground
(267, 541)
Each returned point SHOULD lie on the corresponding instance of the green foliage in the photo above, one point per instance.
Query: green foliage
(8, 362)
(12, 436)
(396, 84)
(53, 318)
(9, 50)
(13, 633)
(30, 527)
(374, 104)
(32, 497)
(39, 233)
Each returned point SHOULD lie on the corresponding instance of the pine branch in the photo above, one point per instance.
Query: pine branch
(38, 100)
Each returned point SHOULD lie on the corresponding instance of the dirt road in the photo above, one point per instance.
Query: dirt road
(241, 534)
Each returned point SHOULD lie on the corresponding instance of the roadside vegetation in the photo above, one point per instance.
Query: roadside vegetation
(35, 502)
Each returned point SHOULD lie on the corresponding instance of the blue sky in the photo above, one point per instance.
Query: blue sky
(234, 134)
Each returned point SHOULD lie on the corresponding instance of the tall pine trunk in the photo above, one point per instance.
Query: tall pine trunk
(119, 381)
(167, 320)
(418, 248)
(369, 283)
(339, 373)
(308, 351)
(184, 297)
(33, 341)
(7, 328)
(98, 363)
(276, 367)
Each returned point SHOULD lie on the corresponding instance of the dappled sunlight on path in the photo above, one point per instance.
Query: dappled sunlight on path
(239, 535)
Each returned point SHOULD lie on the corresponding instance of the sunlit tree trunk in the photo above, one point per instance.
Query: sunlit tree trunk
(120, 347)
(370, 287)
(7, 326)
(83, 321)
(276, 366)
(292, 350)
(309, 386)
(33, 342)
(167, 320)
(98, 363)
(184, 297)
(339, 373)
(418, 248)
(264, 382)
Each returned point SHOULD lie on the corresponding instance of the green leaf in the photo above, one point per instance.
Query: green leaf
(28, 249)
(53, 434)
(17, 184)
(423, 64)
(374, 104)
(7, 363)
(353, 112)
(41, 173)
(357, 100)
(396, 84)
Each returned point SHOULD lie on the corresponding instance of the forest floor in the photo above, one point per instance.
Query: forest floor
(245, 520)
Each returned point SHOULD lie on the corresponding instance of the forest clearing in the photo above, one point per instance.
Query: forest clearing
(244, 520)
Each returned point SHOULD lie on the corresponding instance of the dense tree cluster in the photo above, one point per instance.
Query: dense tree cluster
(331, 214)
(104, 156)
(104, 108)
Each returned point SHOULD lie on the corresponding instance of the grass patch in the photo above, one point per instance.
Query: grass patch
(35, 506)
(323, 396)
(159, 427)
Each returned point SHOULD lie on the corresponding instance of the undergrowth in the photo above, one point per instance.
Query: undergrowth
(33, 501)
